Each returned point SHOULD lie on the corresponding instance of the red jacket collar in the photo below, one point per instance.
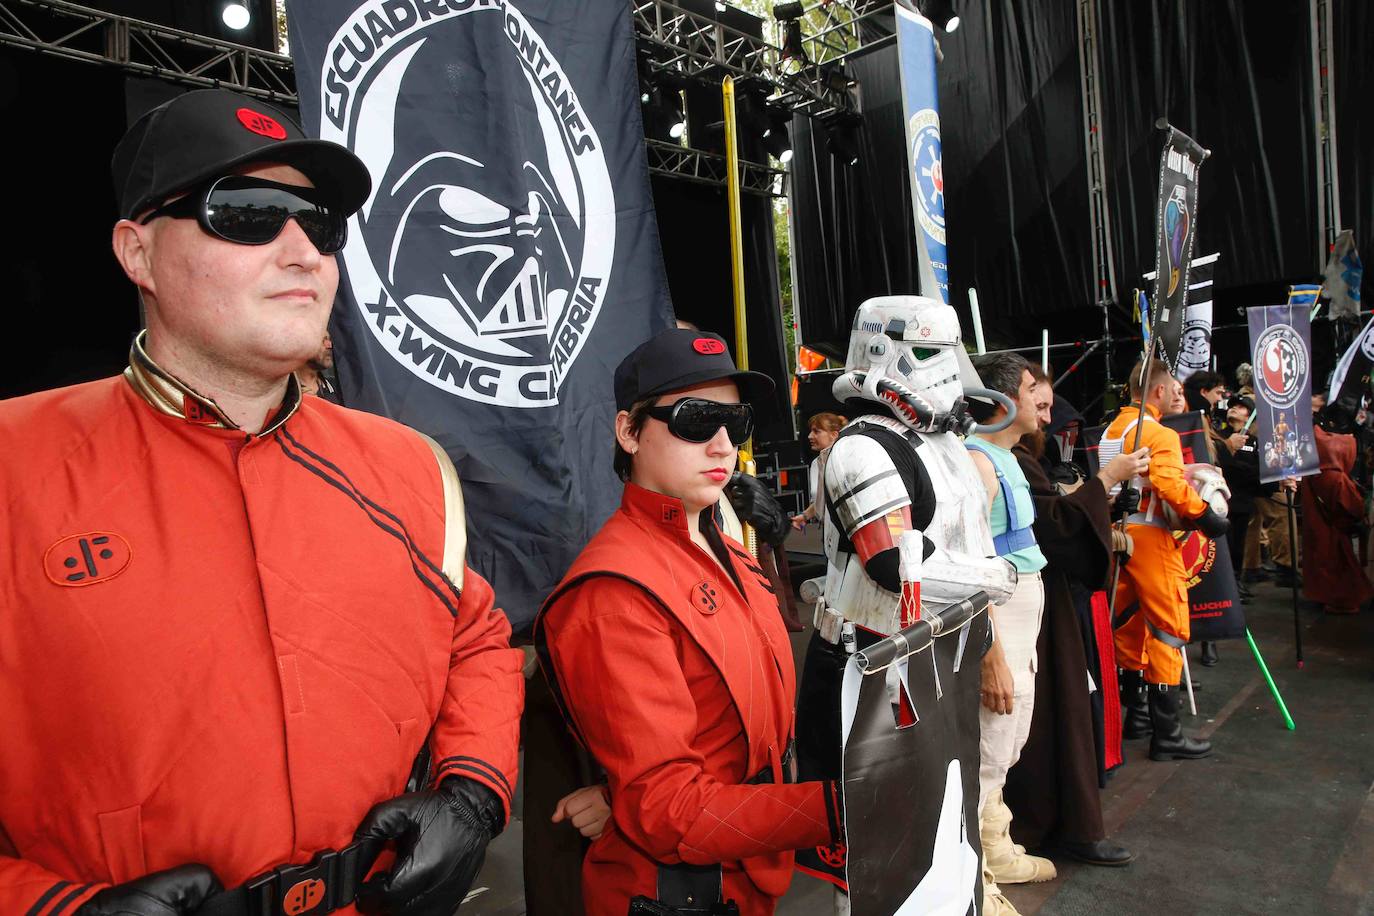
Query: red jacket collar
(648, 507)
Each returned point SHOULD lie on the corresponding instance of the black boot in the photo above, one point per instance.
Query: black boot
(1287, 577)
(1168, 741)
(1209, 653)
(1136, 722)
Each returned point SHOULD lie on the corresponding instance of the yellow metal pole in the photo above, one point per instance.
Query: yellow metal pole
(727, 91)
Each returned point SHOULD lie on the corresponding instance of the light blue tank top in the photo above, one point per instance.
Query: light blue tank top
(1013, 511)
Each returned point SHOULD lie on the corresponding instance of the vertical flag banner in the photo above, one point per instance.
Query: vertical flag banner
(1350, 381)
(921, 106)
(1195, 342)
(508, 257)
(1281, 352)
(1176, 226)
(1304, 294)
(1343, 275)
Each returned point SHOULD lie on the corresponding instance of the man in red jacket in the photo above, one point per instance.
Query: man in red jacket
(198, 691)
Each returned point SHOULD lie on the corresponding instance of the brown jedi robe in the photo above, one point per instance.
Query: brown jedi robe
(1053, 790)
(1332, 505)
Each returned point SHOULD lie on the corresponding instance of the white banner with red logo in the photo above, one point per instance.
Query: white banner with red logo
(1281, 352)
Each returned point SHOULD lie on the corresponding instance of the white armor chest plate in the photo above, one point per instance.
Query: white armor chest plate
(959, 526)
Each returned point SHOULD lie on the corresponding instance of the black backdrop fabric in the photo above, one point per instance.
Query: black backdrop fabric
(1236, 76)
(1014, 174)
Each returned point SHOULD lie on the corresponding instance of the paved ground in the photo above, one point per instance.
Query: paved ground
(1274, 822)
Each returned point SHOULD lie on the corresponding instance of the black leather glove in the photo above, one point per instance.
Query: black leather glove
(757, 507)
(1127, 502)
(1213, 525)
(441, 839)
(174, 892)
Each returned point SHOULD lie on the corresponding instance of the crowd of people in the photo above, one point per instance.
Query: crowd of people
(210, 710)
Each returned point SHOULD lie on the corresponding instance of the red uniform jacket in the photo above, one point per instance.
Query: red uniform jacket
(224, 648)
(682, 687)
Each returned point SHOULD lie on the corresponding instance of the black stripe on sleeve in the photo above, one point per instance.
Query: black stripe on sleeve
(65, 901)
(399, 533)
(477, 765)
(47, 895)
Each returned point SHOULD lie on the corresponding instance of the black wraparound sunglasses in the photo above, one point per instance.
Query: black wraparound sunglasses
(698, 420)
(253, 211)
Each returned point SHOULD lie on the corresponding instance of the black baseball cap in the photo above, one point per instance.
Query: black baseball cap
(1240, 400)
(207, 133)
(678, 357)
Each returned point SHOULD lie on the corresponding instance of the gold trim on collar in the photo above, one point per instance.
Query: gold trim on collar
(168, 395)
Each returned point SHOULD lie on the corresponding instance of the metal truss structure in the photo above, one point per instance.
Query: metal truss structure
(674, 40)
(80, 33)
(709, 168)
(695, 46)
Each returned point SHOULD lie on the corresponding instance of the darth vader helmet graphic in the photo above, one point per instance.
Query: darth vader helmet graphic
(476, 223)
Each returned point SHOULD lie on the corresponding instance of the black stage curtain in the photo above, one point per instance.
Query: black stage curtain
(1014, 174)
(76, 314)
(1236, 76)
(1352, 23)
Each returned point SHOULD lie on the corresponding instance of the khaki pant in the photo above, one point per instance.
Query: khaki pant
(1002, 737)
(1269, 525)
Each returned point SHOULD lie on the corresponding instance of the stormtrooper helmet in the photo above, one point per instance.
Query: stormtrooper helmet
(912, 341)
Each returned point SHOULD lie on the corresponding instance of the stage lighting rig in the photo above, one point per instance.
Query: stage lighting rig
(789, 16)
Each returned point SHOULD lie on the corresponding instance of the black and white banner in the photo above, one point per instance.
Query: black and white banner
(1176, 228)
(508, 255)
(1350, 381)
(1195, 343)
(910, 726)
(1281, 352)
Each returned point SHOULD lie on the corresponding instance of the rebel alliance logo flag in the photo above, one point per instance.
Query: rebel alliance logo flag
(507, 257)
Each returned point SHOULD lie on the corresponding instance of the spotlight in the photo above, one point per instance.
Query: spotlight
(720, 6)
(788, 12)
(842, 139)
(663, 117)
(775, 137)
(236, 16)
(941, 13)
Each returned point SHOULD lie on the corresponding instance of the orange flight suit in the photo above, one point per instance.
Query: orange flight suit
(224, 648)
(1154, 577)
(682, 687)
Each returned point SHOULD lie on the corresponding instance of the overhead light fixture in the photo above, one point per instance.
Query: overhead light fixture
(941, 13)
(842, 138)
(788, 12)
(678, 129)
(236, 16)
(663, 111)
(776, 136)
(720, 6)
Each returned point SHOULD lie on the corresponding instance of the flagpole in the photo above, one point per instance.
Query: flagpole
(746, 451)
(1293, 579)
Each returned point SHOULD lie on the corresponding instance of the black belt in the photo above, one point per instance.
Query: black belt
(764, 777)
(328, 882)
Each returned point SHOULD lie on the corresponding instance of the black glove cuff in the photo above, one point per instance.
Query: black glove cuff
(473, 801)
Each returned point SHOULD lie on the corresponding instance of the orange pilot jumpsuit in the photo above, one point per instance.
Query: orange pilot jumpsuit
(225, 648)
(1154, 577)
(678, 677)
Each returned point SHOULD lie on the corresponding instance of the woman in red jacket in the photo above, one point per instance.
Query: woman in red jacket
(666, 651)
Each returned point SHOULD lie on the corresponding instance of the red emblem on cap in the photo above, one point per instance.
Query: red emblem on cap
(708, 346)
(261, 124)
